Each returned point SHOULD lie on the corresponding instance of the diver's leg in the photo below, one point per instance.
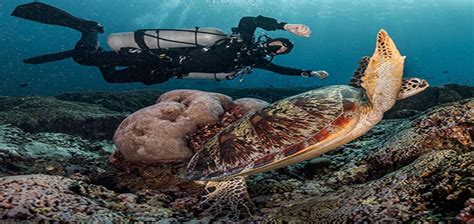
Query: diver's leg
(87, 48)
(144, 75)
(88, 53)
(131, 74)
(127, 75)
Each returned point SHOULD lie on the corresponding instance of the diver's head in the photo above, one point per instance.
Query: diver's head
(279, 46)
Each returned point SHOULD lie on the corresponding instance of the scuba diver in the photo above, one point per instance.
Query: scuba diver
(155, 56)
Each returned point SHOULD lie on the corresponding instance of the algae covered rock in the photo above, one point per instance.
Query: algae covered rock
(431, 97)
(53, 153)
(450, 126)
(127, 101)
(47, 114)
(432, 189)
(47, 198)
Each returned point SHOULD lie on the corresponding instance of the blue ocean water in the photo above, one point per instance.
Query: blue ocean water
(437, 36)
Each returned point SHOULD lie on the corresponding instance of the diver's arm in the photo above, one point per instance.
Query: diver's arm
(249, 24)
(267, 65)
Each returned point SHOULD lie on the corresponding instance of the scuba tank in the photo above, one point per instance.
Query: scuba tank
(220, 76)
(211, 76)
(165, 38)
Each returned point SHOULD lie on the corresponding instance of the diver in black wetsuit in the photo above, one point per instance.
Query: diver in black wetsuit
(150, 66)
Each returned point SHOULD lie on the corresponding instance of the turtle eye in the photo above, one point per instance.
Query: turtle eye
(423, 83)
(210, 189)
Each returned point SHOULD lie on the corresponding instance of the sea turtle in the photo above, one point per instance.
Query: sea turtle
(299, 128)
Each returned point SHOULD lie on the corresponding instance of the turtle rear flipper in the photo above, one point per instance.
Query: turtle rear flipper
(227, 200)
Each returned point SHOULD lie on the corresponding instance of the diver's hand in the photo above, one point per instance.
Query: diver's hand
(298, 29)
(319, 74)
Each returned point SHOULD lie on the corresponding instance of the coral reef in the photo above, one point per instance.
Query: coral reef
(50, 153)
(158, 133)
(447, 127)
(429, 189)
(416, 166)
(42, 197)
(128, 102)
(47, 114)
(429, 98)
(467, 214)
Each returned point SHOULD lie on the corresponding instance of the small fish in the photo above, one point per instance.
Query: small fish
(445, 72)
(23, 85)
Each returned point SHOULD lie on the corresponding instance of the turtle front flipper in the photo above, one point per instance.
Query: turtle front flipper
(412, 86)
(359, 72)
(383, 77)
(227, 200)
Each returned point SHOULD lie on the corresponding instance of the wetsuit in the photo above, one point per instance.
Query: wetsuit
(151, 66)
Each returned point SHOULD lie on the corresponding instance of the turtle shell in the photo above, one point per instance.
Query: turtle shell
(276, 133)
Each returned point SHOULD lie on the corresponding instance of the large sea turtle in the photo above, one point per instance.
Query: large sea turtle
(299, 128)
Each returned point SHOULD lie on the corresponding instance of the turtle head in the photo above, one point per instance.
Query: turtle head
(412, 86)
(383, 77)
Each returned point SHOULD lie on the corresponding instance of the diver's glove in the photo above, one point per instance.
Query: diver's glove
(320, 74)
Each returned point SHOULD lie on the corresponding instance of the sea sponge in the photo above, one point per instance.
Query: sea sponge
(157, 133)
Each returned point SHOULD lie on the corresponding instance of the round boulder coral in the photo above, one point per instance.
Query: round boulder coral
(158, 133)
(248, 105)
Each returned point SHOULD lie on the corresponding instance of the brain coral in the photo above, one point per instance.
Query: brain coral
(158, 133)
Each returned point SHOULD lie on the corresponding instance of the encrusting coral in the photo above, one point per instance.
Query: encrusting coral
(43, 197)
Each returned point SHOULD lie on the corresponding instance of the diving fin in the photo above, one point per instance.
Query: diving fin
(50, 57)
(47, 14)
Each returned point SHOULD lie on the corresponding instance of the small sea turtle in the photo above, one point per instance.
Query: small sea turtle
(299, 128)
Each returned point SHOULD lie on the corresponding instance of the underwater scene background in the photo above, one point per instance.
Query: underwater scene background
(437, 36)
(74, 148)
